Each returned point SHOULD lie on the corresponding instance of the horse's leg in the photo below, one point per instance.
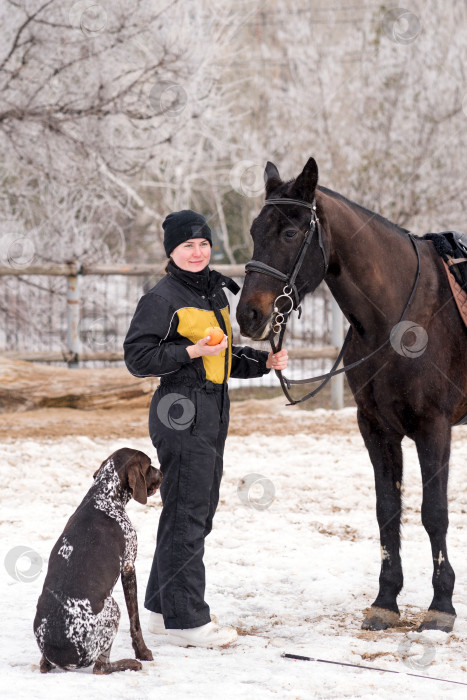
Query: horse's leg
(385, 452)
(433, 443)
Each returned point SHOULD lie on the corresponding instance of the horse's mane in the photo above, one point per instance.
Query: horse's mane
(359, 207)
(380, 219)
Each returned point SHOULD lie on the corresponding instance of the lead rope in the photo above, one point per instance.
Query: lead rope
(286, 383)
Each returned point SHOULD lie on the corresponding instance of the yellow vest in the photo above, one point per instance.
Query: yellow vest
(192, 323)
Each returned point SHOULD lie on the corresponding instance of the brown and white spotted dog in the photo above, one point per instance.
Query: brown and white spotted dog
(77, 618)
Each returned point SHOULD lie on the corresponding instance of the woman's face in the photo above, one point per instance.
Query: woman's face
(193, 255)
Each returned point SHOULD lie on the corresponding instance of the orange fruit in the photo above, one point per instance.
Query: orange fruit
(216, 335)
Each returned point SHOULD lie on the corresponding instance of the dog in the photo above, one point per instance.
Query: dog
(77, 618)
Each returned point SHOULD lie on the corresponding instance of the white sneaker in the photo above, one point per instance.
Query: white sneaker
(208, 636)
(156, 623)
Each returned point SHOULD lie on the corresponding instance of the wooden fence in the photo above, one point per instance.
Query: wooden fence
(74, 353)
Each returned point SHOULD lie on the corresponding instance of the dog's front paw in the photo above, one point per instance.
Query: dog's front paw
(144, 654)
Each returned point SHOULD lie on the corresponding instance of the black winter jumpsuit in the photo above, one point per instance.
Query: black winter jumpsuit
(188, 422)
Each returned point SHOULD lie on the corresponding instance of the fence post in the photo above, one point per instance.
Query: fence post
(337, 383)
(72, 317)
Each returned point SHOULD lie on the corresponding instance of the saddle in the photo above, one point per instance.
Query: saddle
(452, 247)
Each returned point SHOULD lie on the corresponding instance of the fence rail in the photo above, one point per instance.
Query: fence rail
(68, 330)
(327, 352)
(136, 270)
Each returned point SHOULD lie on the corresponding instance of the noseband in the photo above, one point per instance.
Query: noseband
(280, 319)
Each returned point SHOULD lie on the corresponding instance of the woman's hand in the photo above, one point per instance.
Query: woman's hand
(201, 348)
(277, 361)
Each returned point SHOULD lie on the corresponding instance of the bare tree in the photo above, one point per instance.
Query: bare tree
(115, 112)
(94, 99)
(377, 95)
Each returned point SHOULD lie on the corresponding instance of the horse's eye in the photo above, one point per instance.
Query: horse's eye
(291, 232)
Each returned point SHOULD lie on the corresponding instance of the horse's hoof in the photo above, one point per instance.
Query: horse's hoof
(436, 620)
(380, 619)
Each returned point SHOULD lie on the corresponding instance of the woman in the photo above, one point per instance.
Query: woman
(188, 420)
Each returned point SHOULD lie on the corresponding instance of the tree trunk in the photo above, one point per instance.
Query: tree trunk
(25, 386)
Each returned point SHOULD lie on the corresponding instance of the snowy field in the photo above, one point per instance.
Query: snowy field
(291, 577)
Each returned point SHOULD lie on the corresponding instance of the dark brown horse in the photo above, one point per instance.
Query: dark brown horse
(414, 385)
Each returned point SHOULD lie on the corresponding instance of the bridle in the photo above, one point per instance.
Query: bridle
(290, 292)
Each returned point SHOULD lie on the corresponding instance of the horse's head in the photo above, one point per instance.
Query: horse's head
(278, 233)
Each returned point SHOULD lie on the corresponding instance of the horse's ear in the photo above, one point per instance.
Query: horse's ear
(305, 184)
(272, 178)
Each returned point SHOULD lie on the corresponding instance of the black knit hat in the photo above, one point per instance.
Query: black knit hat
(180, 226)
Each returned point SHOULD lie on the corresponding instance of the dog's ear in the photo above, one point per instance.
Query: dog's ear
(137, 482)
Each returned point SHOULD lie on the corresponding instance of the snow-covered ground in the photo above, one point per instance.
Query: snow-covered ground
(292, 577)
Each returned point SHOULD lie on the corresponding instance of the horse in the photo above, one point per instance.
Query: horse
(405, 355)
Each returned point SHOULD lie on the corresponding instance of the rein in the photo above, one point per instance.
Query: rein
(280, 318)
